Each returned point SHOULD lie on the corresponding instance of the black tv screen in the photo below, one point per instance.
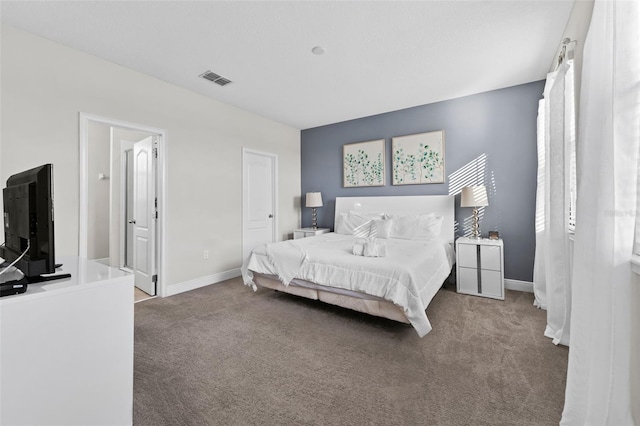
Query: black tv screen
(28, 221)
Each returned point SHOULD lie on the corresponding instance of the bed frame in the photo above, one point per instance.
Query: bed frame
(441, 205)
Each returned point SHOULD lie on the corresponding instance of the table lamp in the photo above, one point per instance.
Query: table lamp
(314, 200)
(474, 196)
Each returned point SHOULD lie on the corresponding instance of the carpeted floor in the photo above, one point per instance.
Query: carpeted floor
(224, 355)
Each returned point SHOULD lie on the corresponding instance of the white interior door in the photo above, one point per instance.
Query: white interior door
(125, 193)
(259, 199)
(128, 213)
(144, 215)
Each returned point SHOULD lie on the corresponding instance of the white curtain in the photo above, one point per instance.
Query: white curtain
(556, 136)
(598, 379)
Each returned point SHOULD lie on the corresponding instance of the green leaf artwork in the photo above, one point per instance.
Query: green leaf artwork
(363, 164)
(418, 159)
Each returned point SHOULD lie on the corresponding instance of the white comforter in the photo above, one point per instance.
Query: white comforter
(409, 275)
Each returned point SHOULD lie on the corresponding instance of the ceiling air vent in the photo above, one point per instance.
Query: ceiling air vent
(212, 76)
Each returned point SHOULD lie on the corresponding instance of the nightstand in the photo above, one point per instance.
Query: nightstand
(308, 232)
(480, 267)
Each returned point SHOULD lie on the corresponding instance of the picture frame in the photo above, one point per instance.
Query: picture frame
(363, 164)
(418, 158)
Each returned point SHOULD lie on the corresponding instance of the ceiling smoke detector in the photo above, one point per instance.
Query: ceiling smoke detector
(217, 79)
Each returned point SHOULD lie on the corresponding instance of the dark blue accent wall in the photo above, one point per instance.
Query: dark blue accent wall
(490, 138)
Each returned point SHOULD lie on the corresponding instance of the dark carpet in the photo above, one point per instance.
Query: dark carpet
(224, 355)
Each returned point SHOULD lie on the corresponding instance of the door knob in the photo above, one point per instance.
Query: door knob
(270, 216)
(132, 221)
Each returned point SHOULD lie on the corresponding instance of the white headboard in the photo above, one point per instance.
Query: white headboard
(441, 205)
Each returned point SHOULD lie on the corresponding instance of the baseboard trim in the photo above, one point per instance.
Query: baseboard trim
(509, 284)
(202, 282)
(518, 285)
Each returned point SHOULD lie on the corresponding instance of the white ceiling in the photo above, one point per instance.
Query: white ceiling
(380, 55)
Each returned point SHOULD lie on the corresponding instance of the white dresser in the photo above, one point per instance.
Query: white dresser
(66, 349)
(480, 267)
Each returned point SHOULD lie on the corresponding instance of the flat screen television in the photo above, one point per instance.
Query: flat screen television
(29, 224)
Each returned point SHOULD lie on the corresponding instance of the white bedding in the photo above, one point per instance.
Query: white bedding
(409, 275)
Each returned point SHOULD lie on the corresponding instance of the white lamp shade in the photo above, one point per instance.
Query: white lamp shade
(474, 196)
(314, 199)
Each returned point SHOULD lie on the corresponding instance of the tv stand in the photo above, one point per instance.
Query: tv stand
(43, 278)
(66, 356)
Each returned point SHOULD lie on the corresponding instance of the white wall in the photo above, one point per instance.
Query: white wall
(98, 212)
(45, 85)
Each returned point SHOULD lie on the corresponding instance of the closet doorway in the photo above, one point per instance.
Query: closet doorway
(122, 192)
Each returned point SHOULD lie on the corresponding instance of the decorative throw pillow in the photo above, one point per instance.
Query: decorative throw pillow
(404, 226)
(355, 223)
(380, 228)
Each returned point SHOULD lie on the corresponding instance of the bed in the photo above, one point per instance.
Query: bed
(407, 242)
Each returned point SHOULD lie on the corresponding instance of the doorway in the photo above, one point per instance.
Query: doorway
(137, 206)
(259, 199)
(122, 199)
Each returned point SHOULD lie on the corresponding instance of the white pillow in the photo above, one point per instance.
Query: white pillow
(380, 228)
(355, 223)
(404, 226)
(429, 227)
(416, 227)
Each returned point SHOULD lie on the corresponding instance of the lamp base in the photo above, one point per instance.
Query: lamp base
(314, 218)
(476, 225)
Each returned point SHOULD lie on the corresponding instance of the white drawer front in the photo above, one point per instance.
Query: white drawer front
(491, 283)
(490, 258)
(467, 255)
(468, 280)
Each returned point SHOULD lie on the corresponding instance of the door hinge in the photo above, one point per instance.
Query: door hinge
(154, 278)
(155, 206)
(155, 152)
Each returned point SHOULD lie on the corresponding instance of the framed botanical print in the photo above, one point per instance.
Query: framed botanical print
(363, 164)
(418, 159)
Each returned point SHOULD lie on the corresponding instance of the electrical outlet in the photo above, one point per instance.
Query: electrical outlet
(205, 254)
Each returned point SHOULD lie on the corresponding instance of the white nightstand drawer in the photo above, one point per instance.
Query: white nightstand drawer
(468, 255)
(491, 257)
(308, 232)
(491, 283)
(467, 280)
